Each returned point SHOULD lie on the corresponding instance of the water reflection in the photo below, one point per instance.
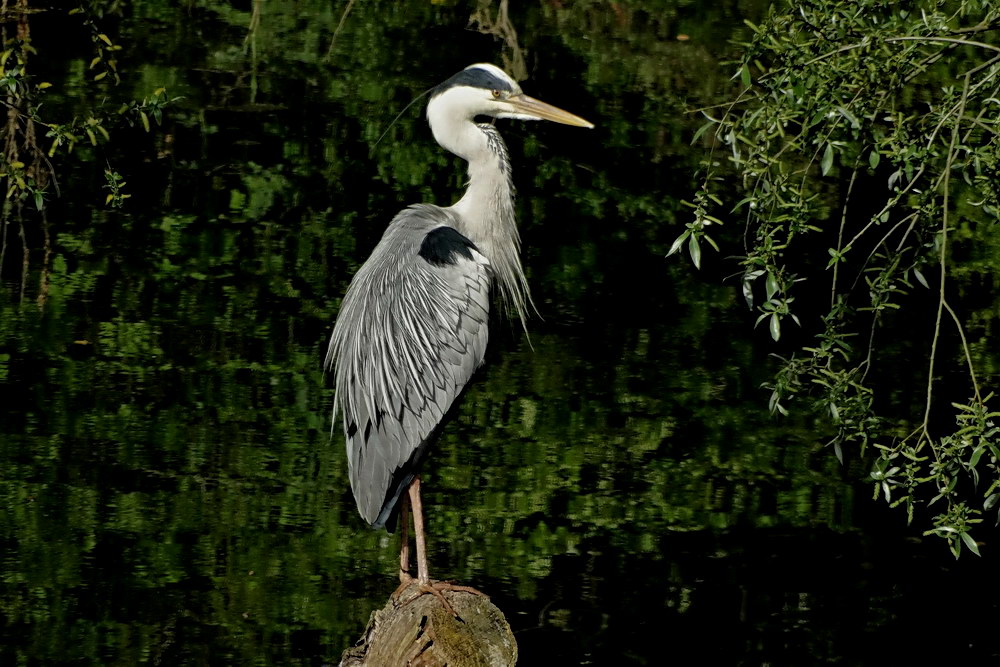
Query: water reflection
(170, 491)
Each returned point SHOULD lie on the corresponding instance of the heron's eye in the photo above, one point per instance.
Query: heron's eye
(497, 94)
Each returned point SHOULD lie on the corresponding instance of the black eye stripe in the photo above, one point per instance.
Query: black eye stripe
(476, 78)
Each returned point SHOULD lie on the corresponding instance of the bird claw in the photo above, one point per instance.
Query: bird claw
(433, 587)
(405, 581)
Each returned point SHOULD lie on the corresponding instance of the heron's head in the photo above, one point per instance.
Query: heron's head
(486, 90)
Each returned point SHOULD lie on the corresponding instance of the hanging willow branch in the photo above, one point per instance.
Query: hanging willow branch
(832, 118)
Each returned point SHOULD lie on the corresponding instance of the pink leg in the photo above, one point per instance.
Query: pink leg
(423, 577)
(424, 583)
(404, 540)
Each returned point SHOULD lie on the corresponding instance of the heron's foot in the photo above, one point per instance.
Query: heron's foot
(405, 581)
(435, 588)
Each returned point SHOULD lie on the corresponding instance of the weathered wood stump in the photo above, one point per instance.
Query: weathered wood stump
(416, 630)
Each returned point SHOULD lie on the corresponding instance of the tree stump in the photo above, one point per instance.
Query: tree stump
(416, 630)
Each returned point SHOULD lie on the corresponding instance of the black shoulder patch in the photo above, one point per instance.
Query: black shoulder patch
(476, 78)
(441, 245)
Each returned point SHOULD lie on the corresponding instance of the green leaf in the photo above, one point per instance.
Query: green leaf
(748, 293)
(772, 285)
(745, 75)
(974, 461)
(695, 251)
(851, 118)
(678, 242)
(970, 543)
(775, 325)
(873, 159)
(827, 162)
(701, 130)
(920, 278)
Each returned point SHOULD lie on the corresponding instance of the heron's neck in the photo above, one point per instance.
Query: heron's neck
(486, 210)
(487, 207)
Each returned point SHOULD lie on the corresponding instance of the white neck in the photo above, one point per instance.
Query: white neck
(486, 210)
(487, 207)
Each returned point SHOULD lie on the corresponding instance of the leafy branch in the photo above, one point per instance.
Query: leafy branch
(876, 130)
(27, 169)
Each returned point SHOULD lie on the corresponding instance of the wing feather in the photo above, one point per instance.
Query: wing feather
(409, 336)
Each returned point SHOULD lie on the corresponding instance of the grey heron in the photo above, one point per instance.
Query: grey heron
(413, 325)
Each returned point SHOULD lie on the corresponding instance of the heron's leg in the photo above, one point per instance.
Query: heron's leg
(404, 541)
(423, 577)
(424, 583)
(405, 578)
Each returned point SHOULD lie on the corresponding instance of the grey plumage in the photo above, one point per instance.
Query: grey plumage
(409, 336)
(413, 326)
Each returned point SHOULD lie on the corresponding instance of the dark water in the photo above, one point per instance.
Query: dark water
(171, 494)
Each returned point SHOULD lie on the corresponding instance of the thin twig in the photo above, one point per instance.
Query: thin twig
(985, 25)
(946, 40)
(889, 205)
(866, 42)
(840, 231)
(943, 262)
(46, 277)
(965, 348)
(25, 252)
(989, 63)
(336, 32)
(861, 271)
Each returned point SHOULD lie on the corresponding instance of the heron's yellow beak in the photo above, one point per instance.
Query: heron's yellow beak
(529, 106)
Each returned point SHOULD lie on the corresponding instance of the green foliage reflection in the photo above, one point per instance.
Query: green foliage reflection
(174, 495)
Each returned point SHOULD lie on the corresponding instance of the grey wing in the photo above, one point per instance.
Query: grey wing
(411, 331)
